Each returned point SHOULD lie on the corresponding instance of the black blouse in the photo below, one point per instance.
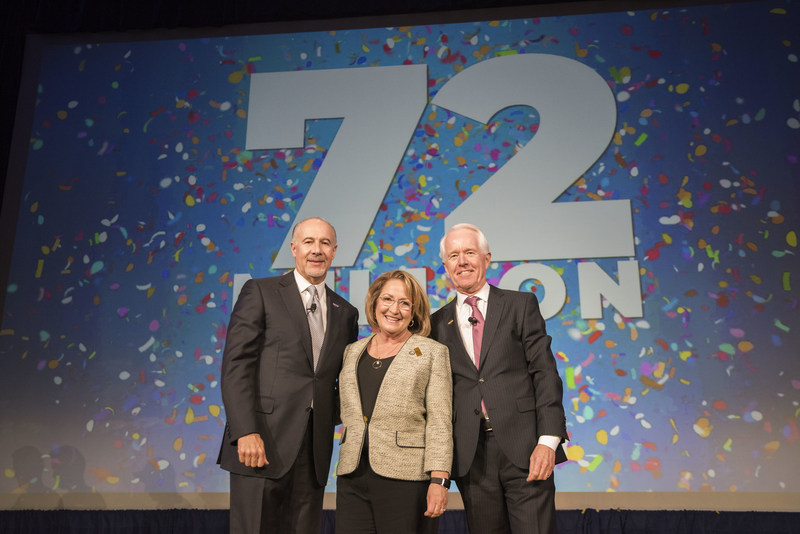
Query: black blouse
(370, 377)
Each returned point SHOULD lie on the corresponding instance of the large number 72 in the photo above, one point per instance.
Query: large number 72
(381, 107)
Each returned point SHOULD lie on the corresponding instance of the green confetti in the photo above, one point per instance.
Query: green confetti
(570, 377)
(594, 463)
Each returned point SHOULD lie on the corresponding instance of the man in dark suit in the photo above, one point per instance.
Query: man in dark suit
(282, 357)
(508, 416)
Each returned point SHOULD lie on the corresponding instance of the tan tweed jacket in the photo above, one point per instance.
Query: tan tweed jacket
(411, 431)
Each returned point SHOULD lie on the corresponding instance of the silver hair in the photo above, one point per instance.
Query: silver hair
(294, 228)
(483, 243)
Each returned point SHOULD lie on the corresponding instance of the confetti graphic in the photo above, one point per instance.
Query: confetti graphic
(141, 207)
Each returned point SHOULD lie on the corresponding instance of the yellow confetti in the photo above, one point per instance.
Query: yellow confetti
(235, 77)
(574, 452)
(703, 427)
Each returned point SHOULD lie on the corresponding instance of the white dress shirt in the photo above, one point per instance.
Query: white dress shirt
(464, 312)
(303, 285)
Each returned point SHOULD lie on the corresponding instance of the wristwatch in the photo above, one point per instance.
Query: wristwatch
(441, 482)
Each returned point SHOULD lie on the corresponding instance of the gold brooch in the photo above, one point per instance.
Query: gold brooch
(416, 351)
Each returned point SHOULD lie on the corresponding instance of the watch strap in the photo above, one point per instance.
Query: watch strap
(441, 481)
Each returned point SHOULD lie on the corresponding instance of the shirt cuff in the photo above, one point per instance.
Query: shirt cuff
(551, 441)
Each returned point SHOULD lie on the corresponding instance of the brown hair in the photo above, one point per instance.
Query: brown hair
(420, 307)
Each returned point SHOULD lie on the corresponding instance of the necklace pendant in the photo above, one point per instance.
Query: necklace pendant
(377, 364)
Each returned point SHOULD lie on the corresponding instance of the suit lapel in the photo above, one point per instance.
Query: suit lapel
(331, 316)
(351, 370)
(297, 313)
(494, 311)
(453, 333)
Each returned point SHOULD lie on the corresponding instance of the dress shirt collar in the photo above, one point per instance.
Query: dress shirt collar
(303, 284)
(482, 294)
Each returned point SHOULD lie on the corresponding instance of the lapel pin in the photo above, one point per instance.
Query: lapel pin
(416, 351)
(451, 321)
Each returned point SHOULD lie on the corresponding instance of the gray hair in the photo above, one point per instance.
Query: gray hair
(294, 228)
(483, 243)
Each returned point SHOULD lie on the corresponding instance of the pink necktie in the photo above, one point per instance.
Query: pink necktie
(477, 337)
(477, 329)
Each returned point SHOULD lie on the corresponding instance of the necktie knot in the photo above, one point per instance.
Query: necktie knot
(477, 317)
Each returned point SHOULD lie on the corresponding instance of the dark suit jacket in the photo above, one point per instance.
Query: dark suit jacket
(518, 379)
(268, 380)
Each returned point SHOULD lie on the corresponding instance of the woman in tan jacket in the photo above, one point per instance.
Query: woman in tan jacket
(395, 390)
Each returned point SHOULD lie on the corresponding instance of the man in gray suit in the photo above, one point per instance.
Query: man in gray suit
(282, 358)
(508, 416)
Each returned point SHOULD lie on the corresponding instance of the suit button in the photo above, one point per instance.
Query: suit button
(477, 411)
(481, 380)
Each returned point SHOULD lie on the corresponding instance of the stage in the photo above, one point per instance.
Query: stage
(453, 522)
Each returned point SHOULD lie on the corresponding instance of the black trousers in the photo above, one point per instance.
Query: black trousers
(498, 499)
(369, 503)
(288, 505)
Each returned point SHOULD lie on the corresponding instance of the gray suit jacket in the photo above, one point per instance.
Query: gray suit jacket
(411, 431)
(268, 379)
(518, 379)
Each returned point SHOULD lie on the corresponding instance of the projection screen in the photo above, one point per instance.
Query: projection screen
(637, 170)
